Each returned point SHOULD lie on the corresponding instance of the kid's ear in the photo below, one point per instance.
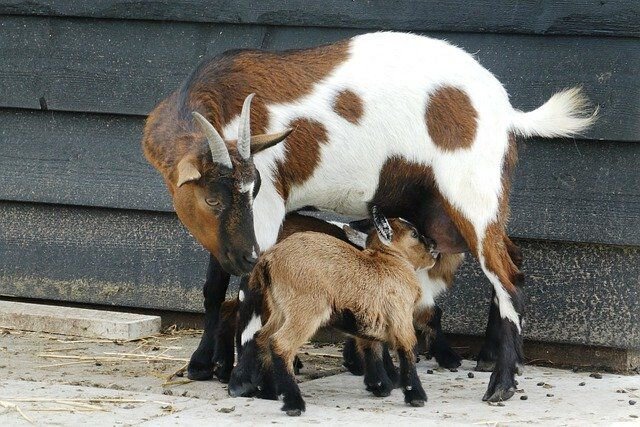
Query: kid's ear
(383, 228)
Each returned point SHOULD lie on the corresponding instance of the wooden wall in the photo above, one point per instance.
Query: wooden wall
(83, 217)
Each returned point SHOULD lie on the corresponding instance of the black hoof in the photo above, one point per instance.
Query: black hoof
(485, 366)
(242, 389)
(222, 371)
(199, 372)
(499, 395)
(502, 386)
(380, 389)
(447, 358)
(416, 396)
(294, 406)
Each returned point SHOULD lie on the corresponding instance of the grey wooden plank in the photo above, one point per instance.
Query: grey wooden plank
(78, 159)
(584, 191)
(126, 67)
(102, 256)
(574, 292)
(584, 17)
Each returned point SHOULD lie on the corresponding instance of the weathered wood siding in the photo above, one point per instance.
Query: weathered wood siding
(83, 217)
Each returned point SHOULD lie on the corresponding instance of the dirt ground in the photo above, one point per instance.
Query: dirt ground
(50, 379)
(147, 365)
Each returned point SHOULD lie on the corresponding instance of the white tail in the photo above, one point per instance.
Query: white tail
(566, 113)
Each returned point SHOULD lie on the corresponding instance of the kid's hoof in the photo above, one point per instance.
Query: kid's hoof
(199, 373)
(241, 389)
(223, 372)
(294, 412)
(417, 403)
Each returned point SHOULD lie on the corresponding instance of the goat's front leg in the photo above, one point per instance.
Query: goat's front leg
(201, 365)
(414, 394)
(223, 356)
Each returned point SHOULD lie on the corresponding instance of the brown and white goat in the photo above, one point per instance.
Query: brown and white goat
(311, 279)
(410, 123)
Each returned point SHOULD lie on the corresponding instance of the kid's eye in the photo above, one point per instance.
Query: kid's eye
(214, 203)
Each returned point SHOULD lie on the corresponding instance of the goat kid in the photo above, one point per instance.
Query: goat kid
(309, 280)
(374, 361)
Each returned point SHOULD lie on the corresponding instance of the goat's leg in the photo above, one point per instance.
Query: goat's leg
(201, 365)
(414, 394)
(437, 344)
(376, 378)
(247, 376)
(505, 278)
(427, 319)
(223, 356)
(352, 358)
(489, 352)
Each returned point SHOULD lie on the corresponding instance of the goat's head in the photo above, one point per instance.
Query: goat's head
(214, 191)
(402, 236)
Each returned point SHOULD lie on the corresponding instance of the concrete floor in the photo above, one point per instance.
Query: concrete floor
(100, 385)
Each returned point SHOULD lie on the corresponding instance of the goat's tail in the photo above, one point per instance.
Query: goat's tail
(566, 113)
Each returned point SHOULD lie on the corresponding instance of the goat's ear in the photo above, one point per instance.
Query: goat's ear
(187, 171)
(356, 237)
(264, 141)
(385, 232)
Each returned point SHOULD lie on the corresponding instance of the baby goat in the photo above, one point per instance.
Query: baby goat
(310, 279)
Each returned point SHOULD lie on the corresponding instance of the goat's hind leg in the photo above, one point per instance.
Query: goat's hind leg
(506, 279)
(489, 352)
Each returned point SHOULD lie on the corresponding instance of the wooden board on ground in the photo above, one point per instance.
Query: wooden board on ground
(77, 321)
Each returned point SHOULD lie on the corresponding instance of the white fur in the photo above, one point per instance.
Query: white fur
(253, 326)
(394, 74)
(241, 295)
(431, 288)
(505, 305)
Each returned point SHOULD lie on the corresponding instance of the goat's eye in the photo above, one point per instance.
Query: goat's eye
(214, 203)
(414, 234)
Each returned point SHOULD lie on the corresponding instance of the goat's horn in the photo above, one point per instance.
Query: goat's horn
(219, 152)
(244, 131)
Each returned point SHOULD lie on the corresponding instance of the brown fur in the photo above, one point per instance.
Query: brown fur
(349, 106)
(217, 89)
(451, 119)
(302, 154)
(378, 285)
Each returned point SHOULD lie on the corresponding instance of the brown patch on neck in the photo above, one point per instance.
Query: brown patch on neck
(349, 106)
(302, 156)
(451, 119)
